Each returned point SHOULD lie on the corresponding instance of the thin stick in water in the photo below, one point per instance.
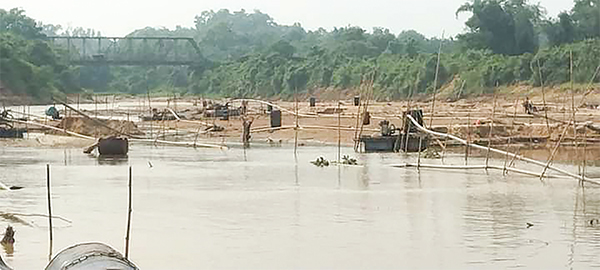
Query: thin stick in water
(487, 155)
(49, 211)
(128, 218)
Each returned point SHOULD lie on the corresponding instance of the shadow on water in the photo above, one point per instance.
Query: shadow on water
(112, 160)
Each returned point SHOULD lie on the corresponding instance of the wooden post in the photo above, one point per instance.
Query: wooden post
(419, 157)
(128, 218)
(296, 118)
(468, 139)
(49, 210)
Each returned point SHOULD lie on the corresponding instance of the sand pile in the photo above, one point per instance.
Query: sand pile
(91, 128)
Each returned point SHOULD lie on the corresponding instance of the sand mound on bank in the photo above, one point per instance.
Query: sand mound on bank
(91, 128)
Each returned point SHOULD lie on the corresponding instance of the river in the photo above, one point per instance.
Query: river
(264, 209)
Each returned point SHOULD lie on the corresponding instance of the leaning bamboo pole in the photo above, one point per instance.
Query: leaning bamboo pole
(129, 210)
(466, 167)
(532, 161)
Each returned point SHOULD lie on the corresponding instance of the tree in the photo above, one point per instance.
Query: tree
(560, 31)
(17, 22)
(586, 17)
(504, 26)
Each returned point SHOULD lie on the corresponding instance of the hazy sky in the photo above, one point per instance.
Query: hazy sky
(120, 17)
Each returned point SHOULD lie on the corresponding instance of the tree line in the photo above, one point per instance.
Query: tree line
(506, 42)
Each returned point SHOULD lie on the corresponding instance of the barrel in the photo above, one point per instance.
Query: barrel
(113, 146)
(312, 101)
(356, 100)
(89, 256)
(275, 118)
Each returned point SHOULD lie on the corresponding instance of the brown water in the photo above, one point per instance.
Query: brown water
(259, 209)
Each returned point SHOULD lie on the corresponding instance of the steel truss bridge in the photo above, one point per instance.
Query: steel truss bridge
(131, 51)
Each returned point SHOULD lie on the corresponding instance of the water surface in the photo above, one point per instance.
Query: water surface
(264, 209)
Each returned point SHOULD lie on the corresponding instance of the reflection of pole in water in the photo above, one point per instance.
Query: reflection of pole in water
(339, 175)
(365, 175)
(574, 231)
(296, 173)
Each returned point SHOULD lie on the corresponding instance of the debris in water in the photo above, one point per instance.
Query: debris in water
(320, 162)
(431, 153)
(9, 236)
(346, 160)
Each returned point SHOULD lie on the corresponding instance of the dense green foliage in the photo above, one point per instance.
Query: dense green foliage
(29, 65)
(248, 54)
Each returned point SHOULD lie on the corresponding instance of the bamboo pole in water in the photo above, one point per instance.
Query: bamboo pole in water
(339, 129)
(468, 167)
(49, 211)
(419, 158)
(366, 109)
(358, 111)
(543, 96)
(532, 161)
(487, 156)
(467, 150)
(296, 120)
(128, 217)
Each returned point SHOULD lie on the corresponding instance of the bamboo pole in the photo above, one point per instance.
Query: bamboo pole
(509, 138)
(296, 120)
(490, 135)
(532, 161)
(128, 217)
(366, 109)
(339, 154)
(419, 158)
(543, 96)
(572, 93)
(49, 211)
(468, 167)
(467, 150)
(435, 80)
(358, 111)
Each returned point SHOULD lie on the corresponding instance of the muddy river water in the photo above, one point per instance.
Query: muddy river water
(264, 209)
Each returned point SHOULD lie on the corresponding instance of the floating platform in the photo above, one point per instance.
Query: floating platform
(395, 143)
(12, 133)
